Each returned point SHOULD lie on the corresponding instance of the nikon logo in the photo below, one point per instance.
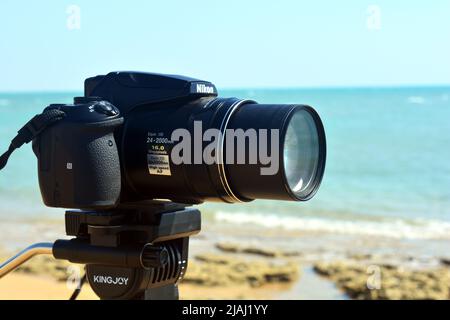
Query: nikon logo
(110, 280)
(202, 88)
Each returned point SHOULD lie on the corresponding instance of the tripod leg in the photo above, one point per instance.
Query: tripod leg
(169, 292)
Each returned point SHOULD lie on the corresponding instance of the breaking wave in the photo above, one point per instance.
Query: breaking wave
(395, 228)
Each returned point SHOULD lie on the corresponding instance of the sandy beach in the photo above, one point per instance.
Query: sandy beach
(30, 287)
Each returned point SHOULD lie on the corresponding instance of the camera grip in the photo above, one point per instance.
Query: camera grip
(78, 164)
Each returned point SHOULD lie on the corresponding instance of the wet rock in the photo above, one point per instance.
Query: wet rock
(217, 270)
(47, 266)
(445, 261)
(392, 283)
(361, 256)
(265, 252)
(42, 265)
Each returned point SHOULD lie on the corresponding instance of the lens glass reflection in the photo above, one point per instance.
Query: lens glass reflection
(301, 153)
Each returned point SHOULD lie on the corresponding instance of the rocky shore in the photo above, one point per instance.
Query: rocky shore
(250, 270)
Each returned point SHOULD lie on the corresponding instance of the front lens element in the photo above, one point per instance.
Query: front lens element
(301, 153)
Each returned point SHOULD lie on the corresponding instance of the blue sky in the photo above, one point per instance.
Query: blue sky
(232, 43)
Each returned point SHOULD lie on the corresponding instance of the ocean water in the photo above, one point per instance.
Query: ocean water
(387, 173)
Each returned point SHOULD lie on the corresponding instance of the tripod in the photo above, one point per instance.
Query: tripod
(137, 251)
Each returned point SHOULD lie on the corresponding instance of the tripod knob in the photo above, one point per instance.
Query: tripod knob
(154, 257)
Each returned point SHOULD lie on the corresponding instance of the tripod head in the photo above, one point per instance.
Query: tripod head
(135, 251)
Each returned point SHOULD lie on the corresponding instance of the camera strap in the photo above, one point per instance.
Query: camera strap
(31, 130)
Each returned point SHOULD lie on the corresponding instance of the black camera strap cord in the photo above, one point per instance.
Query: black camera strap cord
(31, 130)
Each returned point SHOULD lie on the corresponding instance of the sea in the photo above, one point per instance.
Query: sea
(387, 171)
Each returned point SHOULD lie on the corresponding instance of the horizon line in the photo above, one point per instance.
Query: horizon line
(338, 87)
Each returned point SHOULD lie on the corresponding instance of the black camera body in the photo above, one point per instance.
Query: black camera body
(115, 145)
(79, 163)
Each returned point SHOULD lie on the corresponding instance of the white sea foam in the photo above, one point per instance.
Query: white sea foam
(416, 100)
(395, 228)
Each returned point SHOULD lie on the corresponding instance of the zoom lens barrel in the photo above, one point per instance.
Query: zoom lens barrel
(234, 151)
(300, 152)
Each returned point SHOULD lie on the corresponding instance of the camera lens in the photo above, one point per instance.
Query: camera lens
(257, 151)
(301, 153)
